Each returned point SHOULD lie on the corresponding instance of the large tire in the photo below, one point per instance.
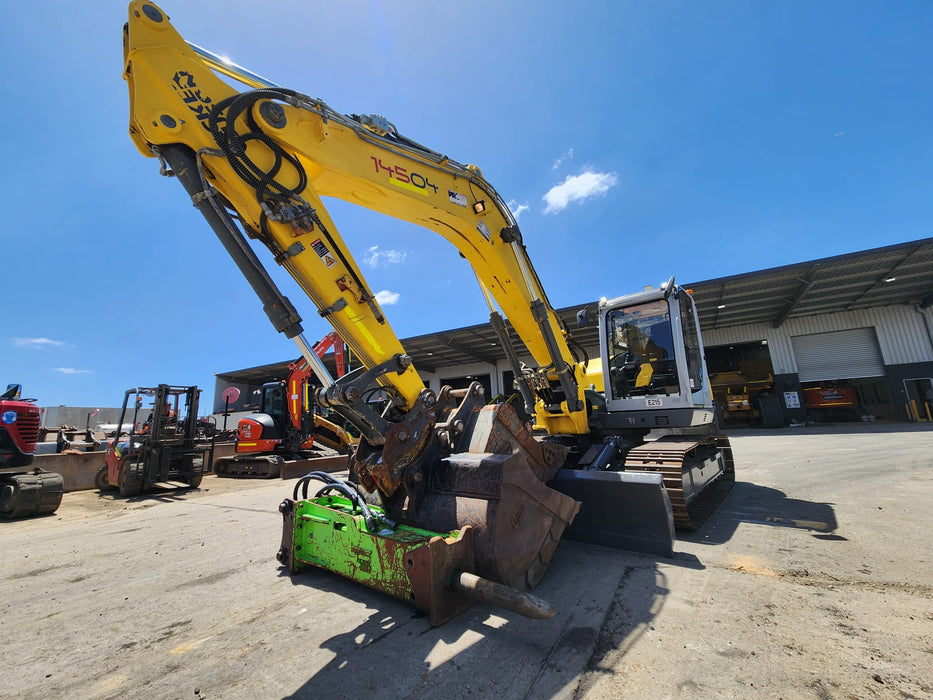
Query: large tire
(128, 484)
(769, 407)
(194, 480)
(100, 479)
(23, 495)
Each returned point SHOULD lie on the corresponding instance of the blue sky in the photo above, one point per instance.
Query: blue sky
(635, 140)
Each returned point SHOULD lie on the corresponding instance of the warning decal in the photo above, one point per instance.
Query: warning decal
(483, 229)
(323, 253)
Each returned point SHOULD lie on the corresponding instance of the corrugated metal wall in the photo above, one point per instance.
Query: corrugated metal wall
(76, 416)
(436, 381)
(928, 322)
(903, 334)
(849, 354)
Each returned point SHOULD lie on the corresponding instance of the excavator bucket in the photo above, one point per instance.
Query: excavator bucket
(517, 519)
(336, 530)
(496, 484)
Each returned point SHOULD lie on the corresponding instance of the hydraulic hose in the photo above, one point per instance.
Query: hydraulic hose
(350, 490)
(354, 497)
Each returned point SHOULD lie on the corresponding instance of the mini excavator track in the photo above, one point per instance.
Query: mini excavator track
(697, 471)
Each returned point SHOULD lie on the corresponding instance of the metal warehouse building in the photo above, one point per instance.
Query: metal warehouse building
(842, 338)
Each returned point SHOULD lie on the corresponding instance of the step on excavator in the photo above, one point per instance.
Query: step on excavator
(288, 429)
(624, 446)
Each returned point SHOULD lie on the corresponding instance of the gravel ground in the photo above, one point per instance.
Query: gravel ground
(812, 580)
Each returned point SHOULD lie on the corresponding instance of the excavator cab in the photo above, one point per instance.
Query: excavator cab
(642, 351)
(273, 404)
(652, 462)
(653, 369)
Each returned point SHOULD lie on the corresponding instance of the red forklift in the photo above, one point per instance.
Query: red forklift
(163, 448)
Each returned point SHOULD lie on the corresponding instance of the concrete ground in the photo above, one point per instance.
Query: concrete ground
(812, 580)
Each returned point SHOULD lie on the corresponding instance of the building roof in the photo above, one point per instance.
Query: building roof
(893, 275)
(824, 286)
(890, 276)
(260, 374)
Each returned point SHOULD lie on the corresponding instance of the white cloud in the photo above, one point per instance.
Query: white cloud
(576, 188)
(381, 258)
(560, 161)
(517, 208)
(387, 298)
(72, 370)
(37, 342)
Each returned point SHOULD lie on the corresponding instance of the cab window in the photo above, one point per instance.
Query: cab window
(692, 341)
(641, 351)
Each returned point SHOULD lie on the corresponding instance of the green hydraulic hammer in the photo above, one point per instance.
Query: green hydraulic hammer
(337, 530)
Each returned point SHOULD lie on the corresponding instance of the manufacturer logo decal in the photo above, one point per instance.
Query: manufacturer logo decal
(190, 93)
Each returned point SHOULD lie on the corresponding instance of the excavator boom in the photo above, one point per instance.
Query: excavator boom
(273, 153)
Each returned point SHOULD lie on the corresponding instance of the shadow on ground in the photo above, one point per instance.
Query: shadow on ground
(484, 652)
(762, 505)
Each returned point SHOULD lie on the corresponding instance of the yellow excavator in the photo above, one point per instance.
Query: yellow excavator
(624, 445)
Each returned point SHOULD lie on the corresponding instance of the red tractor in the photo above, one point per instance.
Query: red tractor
(24, 491)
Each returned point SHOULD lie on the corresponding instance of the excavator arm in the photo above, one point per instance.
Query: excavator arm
(257, 164)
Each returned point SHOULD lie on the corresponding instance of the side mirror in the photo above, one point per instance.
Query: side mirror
(583, 318)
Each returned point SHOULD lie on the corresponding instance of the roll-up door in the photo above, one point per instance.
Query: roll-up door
(847, 354)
